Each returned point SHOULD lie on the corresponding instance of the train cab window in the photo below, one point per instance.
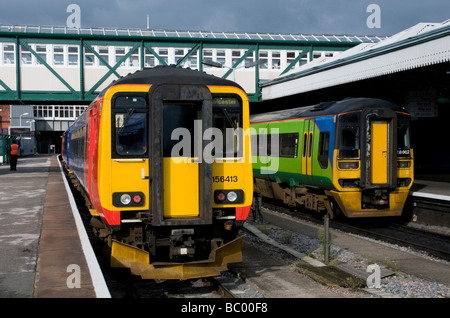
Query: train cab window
(403, 138)
(130, 126)
(131, 133)
(227, 116)
(348, 135)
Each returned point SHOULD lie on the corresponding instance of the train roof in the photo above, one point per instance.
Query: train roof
(323, 109)
(172, 75)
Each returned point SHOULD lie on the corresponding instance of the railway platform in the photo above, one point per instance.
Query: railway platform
(45, 250)
(429, 201)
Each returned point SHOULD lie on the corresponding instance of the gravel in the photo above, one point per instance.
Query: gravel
(399, 285)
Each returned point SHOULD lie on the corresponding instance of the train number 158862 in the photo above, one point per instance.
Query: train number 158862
(224, 178)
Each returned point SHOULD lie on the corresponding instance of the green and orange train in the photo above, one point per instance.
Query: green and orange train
(352, 156)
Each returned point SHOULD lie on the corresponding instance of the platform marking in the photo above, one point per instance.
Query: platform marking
(101, 289)
(430, 196)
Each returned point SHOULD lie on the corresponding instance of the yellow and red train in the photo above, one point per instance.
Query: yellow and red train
(164, 159)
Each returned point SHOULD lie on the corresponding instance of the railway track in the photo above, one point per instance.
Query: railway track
(386, 230)
(124, 285)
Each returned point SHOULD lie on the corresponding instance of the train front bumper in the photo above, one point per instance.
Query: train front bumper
(138, 261)
(350, 204)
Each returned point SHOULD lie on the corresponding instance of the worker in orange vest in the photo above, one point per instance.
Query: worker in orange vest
(14, 155)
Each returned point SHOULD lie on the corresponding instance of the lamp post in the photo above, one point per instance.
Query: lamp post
(20, 117)
(31, 123)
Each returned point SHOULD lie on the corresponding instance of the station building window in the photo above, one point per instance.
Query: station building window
(88, 57)
(73, 55)
(264, 57)
(192, 61)
(221, 57)
(8, 54)
(208, 56)
(235, 56)
(25, 56)
(50, 112)
(103, 51)
(134, 58)
(149, 58)
(316, 55)
(276, 60)
(164, 55)
(179, 53)
(41, 51)
(120, 53)
(58, 55)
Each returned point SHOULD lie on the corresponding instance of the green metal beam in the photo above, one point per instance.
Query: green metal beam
(300, 55)
(191, 51)
(160, 59)
(243, 57)
(42, 61)
(112, 70)
(101, 58)
(6, 87)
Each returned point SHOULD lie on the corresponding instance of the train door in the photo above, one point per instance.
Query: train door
(379, 151)
(181, 162)
(307, 149)
(181, 181)
(379, 158)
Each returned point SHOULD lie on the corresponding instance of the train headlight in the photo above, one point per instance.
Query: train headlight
(128, 199)
(403, 164)
(125, 199)
(228, 196)
(348, 165)
(231, 196)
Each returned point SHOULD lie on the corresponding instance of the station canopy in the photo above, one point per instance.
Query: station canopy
(422, 45)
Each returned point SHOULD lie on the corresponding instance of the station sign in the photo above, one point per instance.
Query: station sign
(421, 104)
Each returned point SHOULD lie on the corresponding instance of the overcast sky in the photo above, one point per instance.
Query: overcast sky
(281, 16)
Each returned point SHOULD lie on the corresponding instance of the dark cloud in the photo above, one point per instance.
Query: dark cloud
(283, 16)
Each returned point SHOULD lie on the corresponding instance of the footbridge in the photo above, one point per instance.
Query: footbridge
(60, 65)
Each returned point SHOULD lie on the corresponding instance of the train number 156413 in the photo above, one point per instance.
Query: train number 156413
(224, 178)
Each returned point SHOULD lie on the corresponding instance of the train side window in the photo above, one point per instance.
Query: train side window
(324, 143)
(288, 145)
